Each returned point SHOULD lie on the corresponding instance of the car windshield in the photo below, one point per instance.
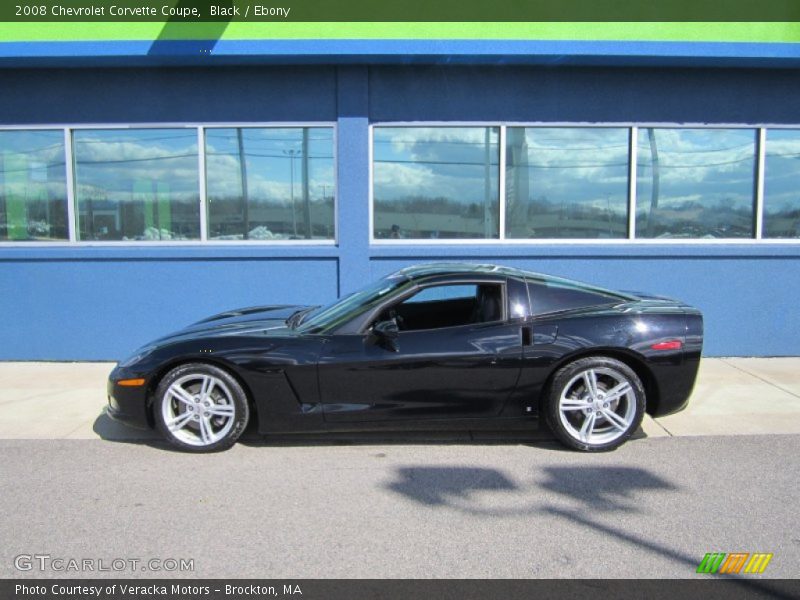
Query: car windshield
(328, 318)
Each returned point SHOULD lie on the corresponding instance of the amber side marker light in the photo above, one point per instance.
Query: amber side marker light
(131, 382)
(670, 345)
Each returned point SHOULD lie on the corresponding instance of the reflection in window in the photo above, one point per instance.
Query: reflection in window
(33, 188)
(695, 183)
(267, 183)
(137, 184)
(782, 184)
(566, 182)
(436, 182)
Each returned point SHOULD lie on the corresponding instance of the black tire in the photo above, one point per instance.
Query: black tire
(584, 414)
(217, 431)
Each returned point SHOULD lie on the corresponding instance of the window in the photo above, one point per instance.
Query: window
(33, 187)
(695, 183)
(448, 305)
(782, 184)
(270, 183)
(445, 292)
(548, 296)
(570, 182)
(566, 182)
(429, 183)
(436, 182)
(144, 184)
(137, 184)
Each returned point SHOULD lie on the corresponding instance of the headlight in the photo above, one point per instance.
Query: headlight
(137, 356)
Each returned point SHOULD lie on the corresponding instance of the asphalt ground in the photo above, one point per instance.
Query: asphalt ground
(416, 509)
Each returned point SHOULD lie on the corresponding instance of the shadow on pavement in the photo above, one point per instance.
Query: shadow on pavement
(442, 485)
(112, 431)
(402, 438)
(598, 488)
(590, 489)
(603, 488)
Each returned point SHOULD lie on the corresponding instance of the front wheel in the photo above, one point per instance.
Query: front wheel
(200, 408)
(595, 404)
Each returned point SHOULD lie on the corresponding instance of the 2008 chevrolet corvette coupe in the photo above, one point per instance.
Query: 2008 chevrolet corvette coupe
(441, 346)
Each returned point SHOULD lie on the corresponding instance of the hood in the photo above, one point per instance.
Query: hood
(276, 312)
(266, 320)
(256, 320)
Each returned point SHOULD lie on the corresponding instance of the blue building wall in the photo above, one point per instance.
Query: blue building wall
(100, 302)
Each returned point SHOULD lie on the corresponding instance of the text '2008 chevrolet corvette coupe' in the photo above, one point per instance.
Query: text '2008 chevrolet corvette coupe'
(441, 346)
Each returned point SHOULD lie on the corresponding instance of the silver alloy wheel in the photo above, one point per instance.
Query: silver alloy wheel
(597, 406)
(198, 409)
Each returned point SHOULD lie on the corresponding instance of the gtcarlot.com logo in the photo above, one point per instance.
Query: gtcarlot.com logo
(60, 564)
(732, 563)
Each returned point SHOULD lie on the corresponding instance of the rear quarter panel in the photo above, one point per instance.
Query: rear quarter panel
(625, 332)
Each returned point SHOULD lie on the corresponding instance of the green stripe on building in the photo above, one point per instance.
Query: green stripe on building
(623, 31)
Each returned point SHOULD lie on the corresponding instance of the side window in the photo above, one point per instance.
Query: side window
(453, 305)
(444, 292)
(553, 296)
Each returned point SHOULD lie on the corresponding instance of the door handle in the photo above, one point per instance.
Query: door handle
(527, 335)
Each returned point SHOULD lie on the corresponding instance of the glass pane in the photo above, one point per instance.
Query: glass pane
(781, 182)
(444, 292)
(695, 183)
(266, 184)
(33, 186)
(436, 182)
(137, 184)
(554, 296)
(566, 182)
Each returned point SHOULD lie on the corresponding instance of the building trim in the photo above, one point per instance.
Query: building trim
(393, 51)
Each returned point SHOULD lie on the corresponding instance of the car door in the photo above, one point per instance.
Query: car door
(467, 366)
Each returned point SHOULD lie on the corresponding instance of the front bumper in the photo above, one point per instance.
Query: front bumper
(127, 405)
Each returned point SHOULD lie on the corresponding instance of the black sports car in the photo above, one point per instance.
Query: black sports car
(440, 346)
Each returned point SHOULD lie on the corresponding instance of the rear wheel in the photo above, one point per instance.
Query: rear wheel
(200, 408)
(595, 404)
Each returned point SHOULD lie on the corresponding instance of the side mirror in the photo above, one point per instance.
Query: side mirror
(387, 333)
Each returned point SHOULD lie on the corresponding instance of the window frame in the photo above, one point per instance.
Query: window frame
(204, 176)
(761, 170)
(71, 215)
(501, 192)
(364, 323)
(760, 128)
(633, 128)
(203, 241)
(631, 177)
(756, 200)
(72, 190)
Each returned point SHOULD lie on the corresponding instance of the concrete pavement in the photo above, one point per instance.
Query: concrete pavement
(733, 396)
(741, 396)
